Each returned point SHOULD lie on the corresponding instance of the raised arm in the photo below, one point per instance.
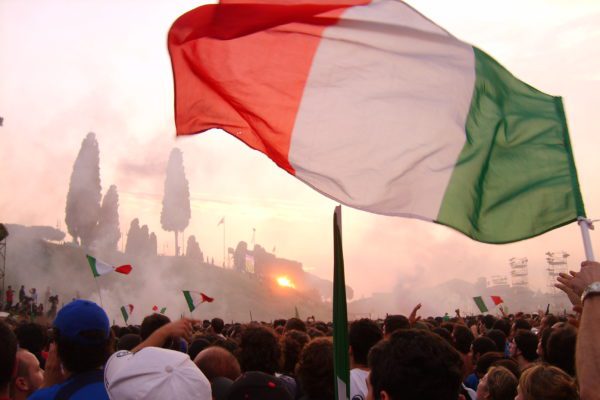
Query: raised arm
(587, 358)
(412, 318)
(181, 328)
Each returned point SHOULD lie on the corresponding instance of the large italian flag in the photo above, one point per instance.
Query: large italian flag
(377, 107)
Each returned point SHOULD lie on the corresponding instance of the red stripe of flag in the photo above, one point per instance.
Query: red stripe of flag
(497, 300)
(124, 269)
(249, 106)
(205, 298)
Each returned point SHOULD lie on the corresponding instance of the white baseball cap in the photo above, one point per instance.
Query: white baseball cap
(154, 373)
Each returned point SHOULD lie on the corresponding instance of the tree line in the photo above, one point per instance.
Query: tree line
(93, 220)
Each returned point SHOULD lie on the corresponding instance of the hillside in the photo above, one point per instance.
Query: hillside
(158, 280)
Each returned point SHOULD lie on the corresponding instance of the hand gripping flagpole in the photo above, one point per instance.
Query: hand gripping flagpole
(586, 224)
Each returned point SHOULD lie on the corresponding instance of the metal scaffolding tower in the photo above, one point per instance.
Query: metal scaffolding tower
(519, 272)
(557, 263)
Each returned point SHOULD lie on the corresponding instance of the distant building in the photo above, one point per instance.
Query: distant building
(266, 265)
(499, 281)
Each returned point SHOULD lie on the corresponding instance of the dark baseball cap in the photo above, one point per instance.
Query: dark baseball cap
(256, 385)
(81, 316)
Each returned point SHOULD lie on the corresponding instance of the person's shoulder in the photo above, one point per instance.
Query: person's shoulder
(472, 394)
(359, 372)
(92, 391)
(358, 380)
(45, 393)
(358, 384)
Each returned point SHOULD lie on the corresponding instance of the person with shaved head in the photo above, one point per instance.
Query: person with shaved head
(217, 362)
(29, 376)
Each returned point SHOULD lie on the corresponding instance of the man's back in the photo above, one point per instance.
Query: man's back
(80, 387)
(358, 384)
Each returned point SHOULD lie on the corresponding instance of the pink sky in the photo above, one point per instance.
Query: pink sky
(70, 67)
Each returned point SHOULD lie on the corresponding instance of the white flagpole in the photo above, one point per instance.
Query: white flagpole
(586, 224)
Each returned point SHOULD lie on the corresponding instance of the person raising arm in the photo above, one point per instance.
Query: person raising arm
(586, 283)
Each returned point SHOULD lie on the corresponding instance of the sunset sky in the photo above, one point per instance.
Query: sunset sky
(71, 67)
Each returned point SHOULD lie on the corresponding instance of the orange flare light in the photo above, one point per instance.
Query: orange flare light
(285, 282)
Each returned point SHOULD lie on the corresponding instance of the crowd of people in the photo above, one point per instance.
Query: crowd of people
(521, 356)
(28, 303)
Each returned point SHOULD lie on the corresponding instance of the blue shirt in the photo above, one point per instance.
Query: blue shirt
(472, 381)
(91, 391)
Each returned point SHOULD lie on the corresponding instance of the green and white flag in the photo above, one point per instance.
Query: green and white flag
(102, 268)
(193, 299)
(483, 308)
(126, 312)
(341, 363)
(487, 303)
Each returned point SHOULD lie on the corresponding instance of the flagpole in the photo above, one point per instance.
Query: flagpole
(223, 243)
(99, 292)
(341, 362)
(586, 224)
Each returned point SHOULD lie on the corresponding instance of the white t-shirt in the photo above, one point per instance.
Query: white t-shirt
(471, 392)
(358, 384)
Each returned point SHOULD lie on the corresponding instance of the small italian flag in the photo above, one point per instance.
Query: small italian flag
(162, 310)
(194, 299)
(102, 268)
(487, 303)
(126, 311)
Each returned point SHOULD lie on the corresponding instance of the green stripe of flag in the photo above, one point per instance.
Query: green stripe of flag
(189, 300)
(341, 363)
(515, 177)
(124, 313)
(480, 304)
(92, 262)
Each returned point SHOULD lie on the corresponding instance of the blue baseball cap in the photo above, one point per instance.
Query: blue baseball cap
(80, 316)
